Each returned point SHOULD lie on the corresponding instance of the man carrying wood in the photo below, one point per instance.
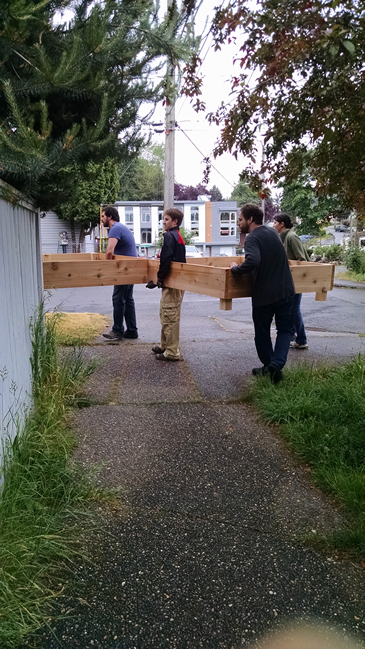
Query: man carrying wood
(273, 290)
(120, 242)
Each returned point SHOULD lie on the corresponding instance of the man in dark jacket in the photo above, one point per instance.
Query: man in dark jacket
(273, 290)
(173, 249)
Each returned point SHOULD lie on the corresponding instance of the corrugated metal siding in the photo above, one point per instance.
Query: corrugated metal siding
(20, 292)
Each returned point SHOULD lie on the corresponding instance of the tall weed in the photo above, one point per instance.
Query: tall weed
(43, 496)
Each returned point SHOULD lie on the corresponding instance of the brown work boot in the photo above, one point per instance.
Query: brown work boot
(162, 357)
(157, 350)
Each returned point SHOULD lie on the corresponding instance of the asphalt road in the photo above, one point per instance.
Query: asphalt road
(343, 311)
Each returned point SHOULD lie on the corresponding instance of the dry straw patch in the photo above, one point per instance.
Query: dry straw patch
(78, 328)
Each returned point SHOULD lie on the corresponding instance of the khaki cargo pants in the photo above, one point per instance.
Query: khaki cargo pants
(170, 308)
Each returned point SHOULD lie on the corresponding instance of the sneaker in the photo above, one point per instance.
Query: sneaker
(162, 357)
(295, 345)
(113, 335)
(157, 350)
(130, 334)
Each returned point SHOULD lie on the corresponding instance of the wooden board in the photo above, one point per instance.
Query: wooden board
(89, 272)
(220, 262)
(205, 276)
(202, 279)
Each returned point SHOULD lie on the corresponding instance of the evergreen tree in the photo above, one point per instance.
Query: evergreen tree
(72, 92)
(215, 193)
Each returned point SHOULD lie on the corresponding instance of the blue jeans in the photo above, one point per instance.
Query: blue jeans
(262, 319)
(123, 308)
(298, 329)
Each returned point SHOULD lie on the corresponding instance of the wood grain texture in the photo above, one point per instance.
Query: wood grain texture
(59, 274)
(206, 276)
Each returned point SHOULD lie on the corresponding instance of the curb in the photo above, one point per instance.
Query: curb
(342, 283)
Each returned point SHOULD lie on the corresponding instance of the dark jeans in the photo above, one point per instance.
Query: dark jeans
(262, 319)
(298, 329)
(123, 308)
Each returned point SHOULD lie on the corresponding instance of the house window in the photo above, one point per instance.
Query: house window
(228, 224)
(194, 216)
(129, 216)
(146, 236)
(145, 214)
(160, 219)
(194, 220)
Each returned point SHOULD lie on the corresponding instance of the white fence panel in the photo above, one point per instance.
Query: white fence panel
(20, 293)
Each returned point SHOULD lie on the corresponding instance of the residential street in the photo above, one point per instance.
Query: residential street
(219, 345)
(206, 548)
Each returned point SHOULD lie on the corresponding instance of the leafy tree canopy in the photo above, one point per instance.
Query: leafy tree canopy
(142, 179)
(88, 186)
(72, 92)
(301, 88)
(191, 193)
(301, 203)
(186, 234)
(243, 193)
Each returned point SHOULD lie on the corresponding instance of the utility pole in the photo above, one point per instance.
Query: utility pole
(169, 171)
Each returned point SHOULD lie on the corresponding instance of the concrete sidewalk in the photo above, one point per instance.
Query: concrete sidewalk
(205, 550)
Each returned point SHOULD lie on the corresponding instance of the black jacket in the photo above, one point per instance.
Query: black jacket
(266, 259)
(173, 249)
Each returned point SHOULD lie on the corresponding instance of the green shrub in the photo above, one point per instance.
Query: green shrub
(354, 259)
(331, 253)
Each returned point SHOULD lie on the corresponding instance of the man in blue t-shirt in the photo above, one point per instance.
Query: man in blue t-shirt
(120, 242)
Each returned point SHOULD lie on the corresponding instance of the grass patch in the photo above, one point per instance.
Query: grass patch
(321, 414)
(351, 276)
(43, 495)
(73, 329)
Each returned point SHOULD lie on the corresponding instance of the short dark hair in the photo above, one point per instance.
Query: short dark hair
(251, 210)
(111, 212)
(175, 214)
(284, 218)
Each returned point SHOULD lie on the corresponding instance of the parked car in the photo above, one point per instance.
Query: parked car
(192, 251)
(305, 237)
(342, 228)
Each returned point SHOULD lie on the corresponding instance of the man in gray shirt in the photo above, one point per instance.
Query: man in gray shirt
(273, 290)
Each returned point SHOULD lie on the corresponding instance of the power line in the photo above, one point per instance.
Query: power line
(204, 157)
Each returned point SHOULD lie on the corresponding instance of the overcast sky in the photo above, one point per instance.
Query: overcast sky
(217, 69)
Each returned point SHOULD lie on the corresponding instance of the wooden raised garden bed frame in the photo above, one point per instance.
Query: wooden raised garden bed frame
(207, 275)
